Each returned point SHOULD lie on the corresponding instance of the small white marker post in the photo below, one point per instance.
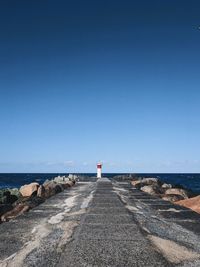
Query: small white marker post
(99, 169)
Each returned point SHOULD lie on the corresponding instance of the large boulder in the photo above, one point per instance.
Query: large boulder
(2, 192)
(41, 191)
(191, 203)
(46, 181)
(60, 179)
(49, 189)
(15, 212)
(70, 183)
(59, 188)
(172, 198)
(177, 191)
(15, 191)
(151, 189)
(166, 186)
(28, 190)
(67, 185)
(64, 179)
(33, 201)
(8, 198)
(145, 181)
(135, 182)
(121, 177)
(150, 181)
(52, 188)
(72, 177)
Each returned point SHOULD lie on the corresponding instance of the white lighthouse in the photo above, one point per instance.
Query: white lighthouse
(99, 170)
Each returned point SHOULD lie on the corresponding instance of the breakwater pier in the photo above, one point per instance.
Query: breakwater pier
(102, 223)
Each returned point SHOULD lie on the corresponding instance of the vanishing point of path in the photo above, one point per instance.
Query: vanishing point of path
(102, 223)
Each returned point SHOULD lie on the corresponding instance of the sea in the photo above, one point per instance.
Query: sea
(189, 181)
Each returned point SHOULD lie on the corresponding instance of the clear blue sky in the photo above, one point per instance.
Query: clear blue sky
(83, 81)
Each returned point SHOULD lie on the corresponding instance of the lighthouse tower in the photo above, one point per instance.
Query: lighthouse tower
(99, 169)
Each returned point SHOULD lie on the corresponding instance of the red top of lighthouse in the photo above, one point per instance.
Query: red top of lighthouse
(99, 165)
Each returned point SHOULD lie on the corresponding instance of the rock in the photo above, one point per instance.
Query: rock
(15, 192)
(59, 179)
(177, 191)
(15, 212)
(41, 191)
(145, 181)
(48, 190)
(67, 185)
(191, 203)
(31, 195)
(64, 179)
(58, 188)
(52, 188)
(2, 193)
(122, 177)
(28, 190)
(32, 201)
(72, 177)
(166, 186)
(5, 208)
(151, 189)
(134, 183)
(70, 183)
(4, 197)
(172, 198)
(46, 182)
(150, 181)
(8, 198)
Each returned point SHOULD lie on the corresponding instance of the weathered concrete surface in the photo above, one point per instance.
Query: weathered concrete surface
(102, 224)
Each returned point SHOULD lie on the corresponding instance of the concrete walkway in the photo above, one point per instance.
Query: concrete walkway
(109, 236)
(104, 224)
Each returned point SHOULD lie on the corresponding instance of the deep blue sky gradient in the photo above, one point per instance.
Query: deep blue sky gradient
(83, 81)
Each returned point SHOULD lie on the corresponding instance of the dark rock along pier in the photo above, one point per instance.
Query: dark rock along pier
(102, 223)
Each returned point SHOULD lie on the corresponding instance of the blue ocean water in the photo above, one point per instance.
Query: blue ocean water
(12, 180)
(187, 180)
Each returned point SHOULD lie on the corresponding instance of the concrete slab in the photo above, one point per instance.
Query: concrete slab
(107, 192)
(104, 183)
(13, 235)
(193, 226)
(108, 210)
(111, 253)
(158, 201)
(103, 179)
(104, 189)
(140, 197)
(111, 195)
(109, 205)
(184, 215)
(113, 200)
(110, 232)
(109, 219)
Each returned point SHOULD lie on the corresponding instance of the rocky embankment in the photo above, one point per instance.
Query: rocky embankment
(14, 202)
(169, 192)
